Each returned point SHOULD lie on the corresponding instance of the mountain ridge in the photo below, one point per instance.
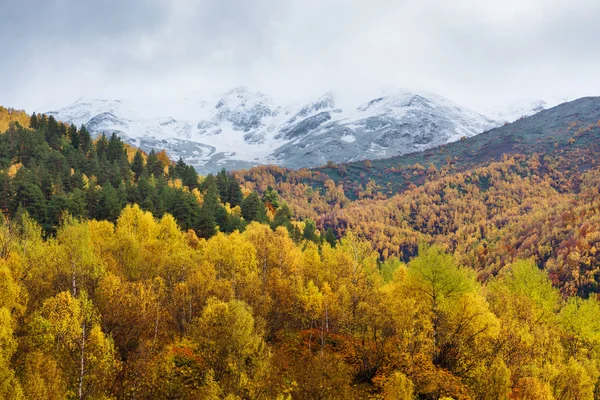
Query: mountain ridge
(568, 127)
(242, 128)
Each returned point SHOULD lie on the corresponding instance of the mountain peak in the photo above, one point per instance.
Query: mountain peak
(241, 127)
(510, 112)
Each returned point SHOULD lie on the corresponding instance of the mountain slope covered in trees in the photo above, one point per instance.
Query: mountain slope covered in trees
(52, 168)
(551, 132)
(525, 190)
(126, 276)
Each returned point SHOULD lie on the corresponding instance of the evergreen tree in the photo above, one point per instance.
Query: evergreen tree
(109, 206)
(85, 139)
(76, 181)
(234, 193)
(179, 168)
(91, 164)
(234, 223)
(296, 234)
(62, 131)
(6, 192)
(154, 166)
(52, 133)
(189, 177)
(212, 206)
(42, 123)
(113, 170)
(253, 209)
(184, 208)
(211, 194)
(101, 146)
(74, 136)
(282, 217)
(33, 121)
(147, 195)
(137, 166)
(206, 226)
(222, 181)
(77, 204)
(92, 197)
(30, 197)
(310, 230)
(54, 211)
(330, 237)
(115, 151)
(271, 197)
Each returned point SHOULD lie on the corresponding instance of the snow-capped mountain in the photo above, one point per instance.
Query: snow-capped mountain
(242, 128)
(511, 112)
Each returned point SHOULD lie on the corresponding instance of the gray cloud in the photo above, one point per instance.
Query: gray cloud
(477, 53)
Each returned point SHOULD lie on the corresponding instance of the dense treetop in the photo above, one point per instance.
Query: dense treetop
(10, 115)
(52, 168)
(124, 275)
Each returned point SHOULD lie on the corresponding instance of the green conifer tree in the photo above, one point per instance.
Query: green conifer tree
(253, 209)
(137, 166)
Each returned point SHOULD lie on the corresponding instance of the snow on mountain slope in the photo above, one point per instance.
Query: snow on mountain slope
(395, 122)
(511, 112)
(242, 128)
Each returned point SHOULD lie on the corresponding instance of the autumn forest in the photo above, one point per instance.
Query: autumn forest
(449, 275)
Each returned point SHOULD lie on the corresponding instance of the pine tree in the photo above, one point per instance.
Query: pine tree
(76, 181)
(183, 207)
(109, 206)
(310, 230)
(282, 217)
(206, 226)
(29, 196)
(52, 133)
(54, 211)
(180, 168)
(253, 209)
(147, 196)
(212, 213)
(154, 166)
(77, 204)
(62, 131)
(32, 199)
(211, 195)
(330, 237)
(137, 166)
(234, 223)
(85, 139)
(74, 136)
(101, 146)
(189, 177)
(271, 197)
(222, 181)
(115, 150)
(33, 121)
(91, 164)
(6, 192)
(234, 193)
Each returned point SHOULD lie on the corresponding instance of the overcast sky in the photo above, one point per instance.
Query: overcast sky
(475, 52)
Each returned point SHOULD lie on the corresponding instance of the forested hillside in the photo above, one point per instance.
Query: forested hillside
(555, 132)
(535, 195)
(126, 276)
(52, 168)
(10, 115)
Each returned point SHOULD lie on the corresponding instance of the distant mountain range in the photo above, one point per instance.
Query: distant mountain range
(242, 128)
(569, 131)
